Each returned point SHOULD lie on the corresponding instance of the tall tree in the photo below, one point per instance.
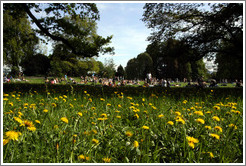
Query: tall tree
(203, 26)
(19, 40)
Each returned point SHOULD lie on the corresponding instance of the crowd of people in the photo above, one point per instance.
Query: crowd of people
(149, 81)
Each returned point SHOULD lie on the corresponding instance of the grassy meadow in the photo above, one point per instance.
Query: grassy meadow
(89, 124)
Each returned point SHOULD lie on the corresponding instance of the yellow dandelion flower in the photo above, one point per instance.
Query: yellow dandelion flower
(5, 99)
(118, 117)
(160, 116)
(232, 125)
(200, 121)
(37, 121)
(211, 154)
(177, 113)
(79, 113)
(128, 133)
(31, 128)
(185, 101)
(145, 127)
(216, 118)
(104, 115)
(180, 120)
(170, 123)
(81, 157)
(137, 116)
(64, 119)
(12, 135)
(28, 123)
(45, 110)
(106, 160)
(11, 104)
(214, 136)
(218, 128)
(198, 113)
(135, 144)
(18, 120)
(108, 104)
(5, 141)
(208, 127)
(217, 107)
(95, 141)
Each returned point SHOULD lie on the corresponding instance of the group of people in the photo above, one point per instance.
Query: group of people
(9, 78)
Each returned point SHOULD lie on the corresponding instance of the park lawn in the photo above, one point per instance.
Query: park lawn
(63, 124)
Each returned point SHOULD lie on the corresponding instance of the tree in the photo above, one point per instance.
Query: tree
(72, 27)
(131, 69)
(204, 30)
(109, 68)
(120, 71)
(19, 40)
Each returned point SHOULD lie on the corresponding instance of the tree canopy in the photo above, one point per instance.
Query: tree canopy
(209, 29)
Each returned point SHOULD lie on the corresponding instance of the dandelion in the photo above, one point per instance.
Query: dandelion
(128, 133)
(28, 123)
(185, 101)
(218, 128)
(118, 117)
(232, 125)
(11, 104)
(214, 136)
(211, 154)
(37, 121)
(81, 157)
(180, 120)
(200, 121)
(198, 113)
(80, 114)
(160, 116)
(18, 120)
(217, 107)
(12, 135)
(208, 127)
(53, 104)
(192, 141)
(45, 110)
(64, 119)
(31, 128)
(104, 115)
(145, 127)
(5, 99)
(177, 113)
(108, 104)
(135, 144)
(170, 123)
(56, 127)
(5, 141)
(106, 160)
(216, 118)
(102, 99)
(137, 116)
(95, 141)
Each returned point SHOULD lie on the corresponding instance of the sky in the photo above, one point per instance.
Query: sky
(122, 20)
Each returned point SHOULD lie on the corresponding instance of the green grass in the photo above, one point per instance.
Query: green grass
(125, 110)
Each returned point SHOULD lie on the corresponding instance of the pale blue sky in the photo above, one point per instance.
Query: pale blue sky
(122, 20)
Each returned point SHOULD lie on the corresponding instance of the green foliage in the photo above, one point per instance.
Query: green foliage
(210, 29)
(137, 68)
(19, 40)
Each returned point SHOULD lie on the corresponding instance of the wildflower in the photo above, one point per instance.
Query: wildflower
(12, 135)
(85, 91)
(208, 127)
(208, 112)
(200, 121)
(160, 116)
(71, 105)
(143, 99)
(180, 120)
(5, 99)
(5, 141)
(108, 104)
(45, 110)
(28, 123)
(130, 98)
(211, 154)
(102, 99)
(53, 104)
(135, 144)
(64, 119)
(119, 106)
(31, 128)
(90, 100)
(217, 107)
(95, 141)
(18, 120)
(106, 160)
(192, 141)
(93, 131)
(5, 95)
(56, 98)
(37, 121)
(56, 127)
(218, 128)
(185, 101)
(177, 113)
(104, 115)
(216, 118)
(79, 113)
(128, 133)
(170, 123)
(11, 104)
(137, 116)
(101, 119)
(93, 123)
(198, 113)
(117, 111)
(232, 125)
(145, 127)
(118, 117)
(82, 157)
(215, 136)
(87, 158)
